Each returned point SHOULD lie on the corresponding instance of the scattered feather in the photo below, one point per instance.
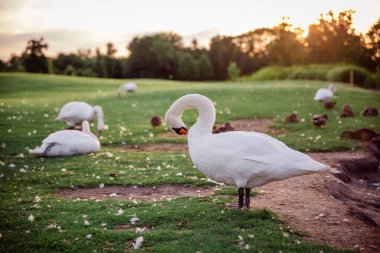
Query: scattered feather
(88, 236)
(138, 242)
(31, 218)
(120, 212)
(101, 186)
(134, 220)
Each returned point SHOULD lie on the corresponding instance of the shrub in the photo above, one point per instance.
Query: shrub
(342, 74)
(233, 71)
(373, 81)
(271, 73)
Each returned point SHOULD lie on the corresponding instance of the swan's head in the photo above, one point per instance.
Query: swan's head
(175, 123)
(332, 88)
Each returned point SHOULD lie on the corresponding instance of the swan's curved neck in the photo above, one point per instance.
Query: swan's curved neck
(205, 108)
(86, 129)
(99, 114)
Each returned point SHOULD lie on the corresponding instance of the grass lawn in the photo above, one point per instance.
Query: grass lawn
(28, 185)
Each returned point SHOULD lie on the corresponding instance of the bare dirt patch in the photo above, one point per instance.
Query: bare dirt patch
(137, 193)
(256, 125)
(306, 204)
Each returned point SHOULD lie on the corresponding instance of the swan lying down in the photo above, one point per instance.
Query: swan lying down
(243, 159)
(68, 142)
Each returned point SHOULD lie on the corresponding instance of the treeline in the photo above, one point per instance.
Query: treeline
(331, 40)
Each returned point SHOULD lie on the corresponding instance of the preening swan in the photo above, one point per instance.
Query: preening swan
(129, 87)
(324, 94)
(68, 142)
(75, 112)
(243, 159)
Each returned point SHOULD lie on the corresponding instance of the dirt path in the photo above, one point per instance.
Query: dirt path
(305, 204)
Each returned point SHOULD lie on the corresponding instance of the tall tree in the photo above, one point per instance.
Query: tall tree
(373, 36)
(34, 59)
(206, 71)
(188, 68)
(286, 48)
(222, 51)
(333, 39)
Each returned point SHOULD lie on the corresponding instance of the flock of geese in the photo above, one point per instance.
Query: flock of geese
(237, 158)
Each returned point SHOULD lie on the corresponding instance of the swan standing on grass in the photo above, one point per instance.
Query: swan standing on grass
(75, 112)
(68, 142)
(243, 159)
(323, 94)
(129, 87)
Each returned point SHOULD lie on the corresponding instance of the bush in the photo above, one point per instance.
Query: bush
(271, 73)
(233, 71)
(373, 81)
(342, 74)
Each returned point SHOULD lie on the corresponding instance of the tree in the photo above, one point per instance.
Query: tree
(14, 64)
(34, 59)
(373, 36)
(2, 66)
(206, 71)
(333, 39)
(233, 71)
(222, 51)
(188, 68)
(154, 55)
(286, 48)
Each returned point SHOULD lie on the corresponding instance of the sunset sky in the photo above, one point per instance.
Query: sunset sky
(68, 25)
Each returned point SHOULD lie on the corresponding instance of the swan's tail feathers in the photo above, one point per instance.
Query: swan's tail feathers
(43, 150)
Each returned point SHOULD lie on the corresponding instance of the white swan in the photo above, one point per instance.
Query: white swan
(68, 142)
(129, 87)
(243, 159)
(75, 112)
(325, 94)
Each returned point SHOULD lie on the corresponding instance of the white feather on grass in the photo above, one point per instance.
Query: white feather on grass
(134, 220)
(138, 242)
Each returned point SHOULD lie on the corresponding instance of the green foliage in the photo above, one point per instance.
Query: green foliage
(342, 74)
(233, 71)
(270, 73)
(188, 68)
(206, 70)
(70, 71)
(34, 59)
(373, 81)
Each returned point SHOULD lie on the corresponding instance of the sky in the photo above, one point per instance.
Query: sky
(68, 25)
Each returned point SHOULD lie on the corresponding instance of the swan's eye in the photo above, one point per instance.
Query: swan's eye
(180, 130)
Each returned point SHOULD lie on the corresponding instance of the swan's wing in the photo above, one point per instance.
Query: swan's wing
(75, 110)
(322, 94)
(67, 138)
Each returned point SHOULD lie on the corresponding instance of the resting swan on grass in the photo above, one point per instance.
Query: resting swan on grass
(68, 142)
(242, 159)
(75, 112)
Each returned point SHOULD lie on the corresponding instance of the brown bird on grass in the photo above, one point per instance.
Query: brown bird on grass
(226, 128)
(347, 111)
(370, 111)
(329, 104)
(292, 118)
(319, 120)
(363, 134)
(156, 121)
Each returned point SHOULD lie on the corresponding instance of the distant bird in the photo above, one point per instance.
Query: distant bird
(129, 87)
(74, 113)
(363, 134)
(242, 159)
(329, 104)
(292, 118)
(156, 121)
(347, 111)
(323, 94)
(226, 128)
(68, 142)
(319, 120)
(370, 111)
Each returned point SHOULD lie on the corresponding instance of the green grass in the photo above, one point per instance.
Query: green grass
(28, 106)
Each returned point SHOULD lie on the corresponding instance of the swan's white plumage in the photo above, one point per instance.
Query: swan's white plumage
(244, 159)
(68, 142)
(76, 112)
(325, 93)
(129, 87)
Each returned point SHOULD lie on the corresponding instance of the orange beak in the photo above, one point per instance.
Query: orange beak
(183, 131)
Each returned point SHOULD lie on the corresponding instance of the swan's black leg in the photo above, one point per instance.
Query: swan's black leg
(241, 196)
(247, 197)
